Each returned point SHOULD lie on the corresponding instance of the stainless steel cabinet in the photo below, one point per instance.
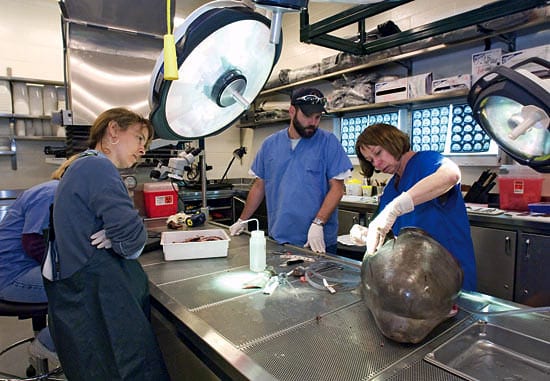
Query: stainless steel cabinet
(513, 265)
(495, 252)
(533, 263)
(346, 219)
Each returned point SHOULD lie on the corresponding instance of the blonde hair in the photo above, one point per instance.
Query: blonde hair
(58, 173)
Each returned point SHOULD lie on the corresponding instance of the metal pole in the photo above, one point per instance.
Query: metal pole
(204, 188)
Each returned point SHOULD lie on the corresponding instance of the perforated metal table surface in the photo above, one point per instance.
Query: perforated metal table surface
(298, 332)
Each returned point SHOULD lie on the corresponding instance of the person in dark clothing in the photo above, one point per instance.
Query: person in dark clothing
(97, 290)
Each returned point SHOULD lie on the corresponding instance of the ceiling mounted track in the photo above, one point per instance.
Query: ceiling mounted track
(319, 33)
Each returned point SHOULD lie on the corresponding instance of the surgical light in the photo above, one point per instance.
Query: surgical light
(224, 58)
(512, 106)
(278, 8)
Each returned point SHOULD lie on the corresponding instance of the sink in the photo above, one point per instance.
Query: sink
(486, 351)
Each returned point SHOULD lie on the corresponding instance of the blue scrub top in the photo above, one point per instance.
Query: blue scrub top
(30, 213)
(444, 218)
(297, 182)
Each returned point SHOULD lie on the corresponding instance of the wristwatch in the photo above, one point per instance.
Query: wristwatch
(318, 221)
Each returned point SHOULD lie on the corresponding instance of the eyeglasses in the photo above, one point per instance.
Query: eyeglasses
(311, 100)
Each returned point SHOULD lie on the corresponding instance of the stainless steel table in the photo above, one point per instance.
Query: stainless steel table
(299, 332)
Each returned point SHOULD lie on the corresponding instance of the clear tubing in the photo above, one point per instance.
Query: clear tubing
(252, 219)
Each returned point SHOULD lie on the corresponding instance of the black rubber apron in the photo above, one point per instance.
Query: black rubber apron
(99, 320)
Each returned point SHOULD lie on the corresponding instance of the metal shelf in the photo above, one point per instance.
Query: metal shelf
(400, 58)
(12, 153)
(419, 100)
(12, 117)
(219, 207)
(256, 124)
(374, 106)
(23, 116)
(38, 138)
(431, 47)
(33, 81)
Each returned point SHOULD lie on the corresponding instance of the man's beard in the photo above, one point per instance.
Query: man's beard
(304, 131)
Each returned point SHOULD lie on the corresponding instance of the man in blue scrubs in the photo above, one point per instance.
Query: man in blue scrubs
(300, 170)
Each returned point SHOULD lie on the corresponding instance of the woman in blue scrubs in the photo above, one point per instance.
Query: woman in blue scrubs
(423, 192)
(22, 250)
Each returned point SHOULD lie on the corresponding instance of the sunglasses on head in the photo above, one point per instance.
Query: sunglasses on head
(310, 100)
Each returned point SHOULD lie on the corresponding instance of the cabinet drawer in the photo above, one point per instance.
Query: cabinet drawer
(346, 219)
(495, 252)
(532, 285)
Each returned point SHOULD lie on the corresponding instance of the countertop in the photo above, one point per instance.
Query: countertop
(299, 332)
(478, 215)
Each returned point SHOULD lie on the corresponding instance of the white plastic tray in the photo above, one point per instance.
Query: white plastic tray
(175, 248)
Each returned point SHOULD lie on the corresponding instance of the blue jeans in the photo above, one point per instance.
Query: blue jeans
(29, 288)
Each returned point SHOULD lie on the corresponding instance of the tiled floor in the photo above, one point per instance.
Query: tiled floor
(12, 330)
(14, 362)
(182, 364)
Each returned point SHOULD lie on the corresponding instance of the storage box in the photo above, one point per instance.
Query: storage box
(161, 199)
(5, 97)
(419, 85)
(540, 207)
(390, 90)
(403, 88)
(511, 59)
(518, 187)
(484, 62)
(180, 244)
(457, 82)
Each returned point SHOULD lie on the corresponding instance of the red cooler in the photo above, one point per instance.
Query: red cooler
(161, 199)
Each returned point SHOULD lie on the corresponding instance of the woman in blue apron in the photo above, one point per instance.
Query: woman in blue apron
(97, 291)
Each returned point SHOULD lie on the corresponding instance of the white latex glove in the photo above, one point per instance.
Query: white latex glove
(316, 238)
(100, 240)
(237, 228)
(358, 235)
(382, 224)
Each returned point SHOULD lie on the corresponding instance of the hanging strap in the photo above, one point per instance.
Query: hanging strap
(50, 265)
